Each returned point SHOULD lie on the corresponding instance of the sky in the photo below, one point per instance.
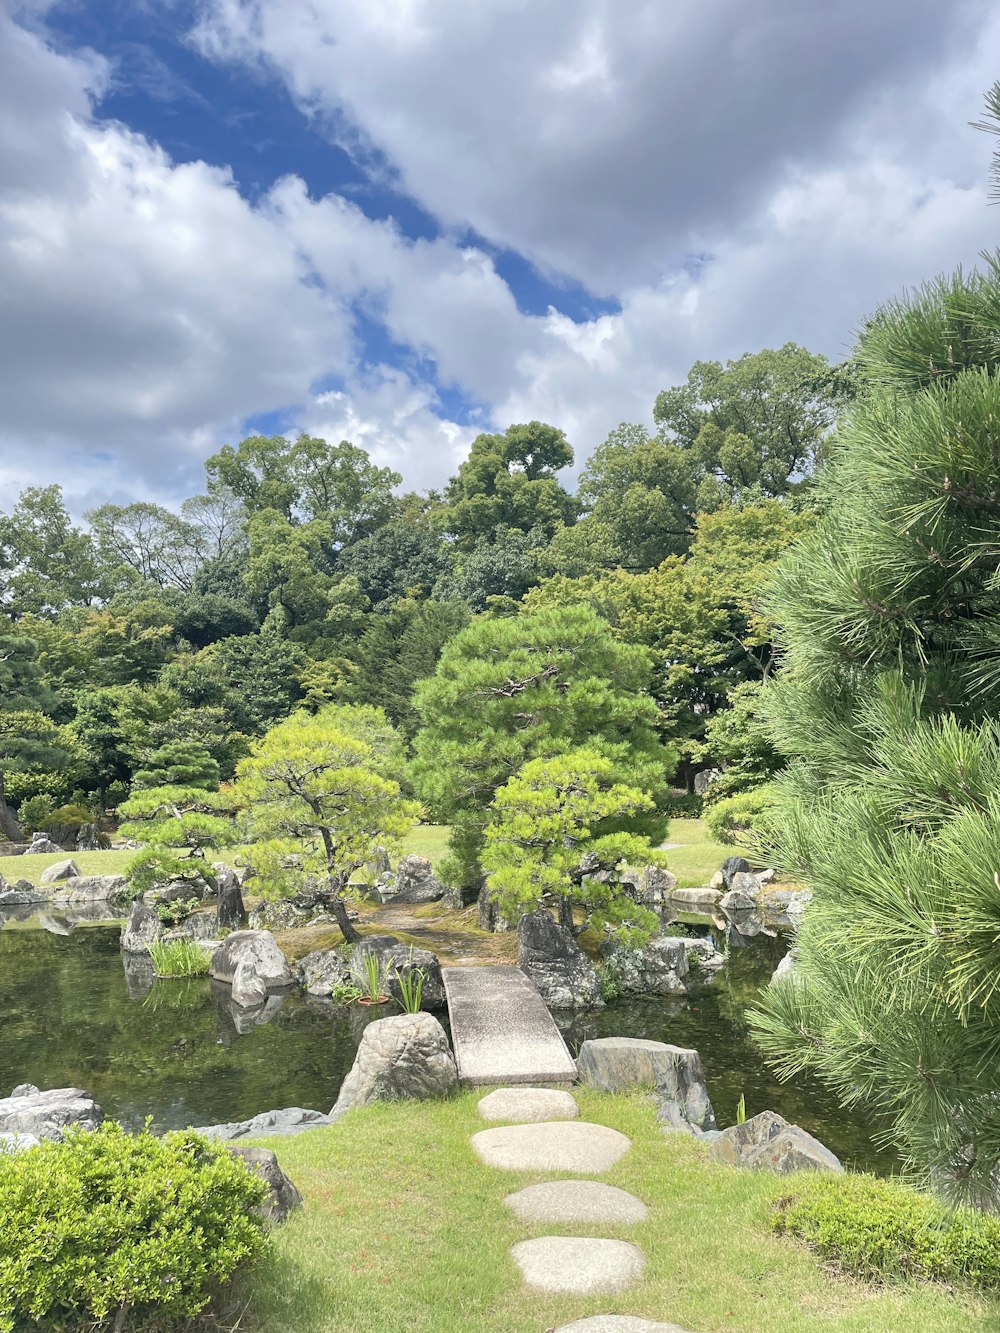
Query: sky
(403, 222)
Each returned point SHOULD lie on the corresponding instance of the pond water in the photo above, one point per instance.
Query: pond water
(72, 1014)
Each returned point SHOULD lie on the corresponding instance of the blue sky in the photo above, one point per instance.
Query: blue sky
(405, 221)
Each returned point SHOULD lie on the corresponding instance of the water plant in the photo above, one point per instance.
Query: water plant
(411, 985)
(179, 958)
(373, 979)
(741, 1109)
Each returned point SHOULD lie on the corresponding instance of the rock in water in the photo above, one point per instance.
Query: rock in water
(92, 889)
(552, 960)
(786, 969)
(46, 1114)
(399, 1058)
(59, 870)
(675, 1073)
(323, 972)
(249, 989)
(260, 951)
(232, 912)
(289, 1120)
(768, 1142)
(731, 866)
(282, 1196)
(141, 929)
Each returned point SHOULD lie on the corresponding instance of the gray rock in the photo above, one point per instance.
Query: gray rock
(768, 1142)
(717, 881)
(745, 881)
(249, 989)
(199, 926)
(282, 1196)
(578, 1264)
(12, 1143)
(323, 972)
(26, 1090)
(736, 901)
(562, 1145)
(42, 845)
(526, 1105)
(786, 969)
(675, 1073)
(260, 951)
(230, 908)
(413, 882)
(195, 890)
(288, 1120)
(141, 929)
(400, 960)
(700, 899)
(733, 865)
(285, 914)
(398, 1058)
(21, 898)
(551, 959)
(46, 1114)
(60, 870)
(584, 1201)
(652, 888)
(93, 889)
(667, 965)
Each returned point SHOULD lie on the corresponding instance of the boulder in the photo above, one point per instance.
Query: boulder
(21, 897)
(652, 888)
(282, 1196)
(717, 881)
(733, 865)
(46, 1114)
(59, 870)
(179, 891)
(768, 1142)
(786, 969)
(399, 1058)
(283, 914)
(413, 882)
(323, 972)
(551, 959)
(746, 882)
(398, 960)
(11, 1143)
(141, 929)
(264, 961)
(93, 889)
(735, 901)
(230, 909)
(702, 899)
(249, 989)
(42, 845)
(704, 780)
(490, 916)
(289, 1120)
(615, 1064)
(201, 925)
(667, 965)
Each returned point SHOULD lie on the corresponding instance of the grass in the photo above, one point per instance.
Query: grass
(405, 1231)
(179, 958)
(430, 840)
(697, 856)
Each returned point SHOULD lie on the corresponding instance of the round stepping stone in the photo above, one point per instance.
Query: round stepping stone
(528, 1104)
(576, 1201)
(562, 1145)
(579, 1264)
(617, 1323)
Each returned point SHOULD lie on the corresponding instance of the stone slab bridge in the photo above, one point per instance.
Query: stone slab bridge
(501, 1029)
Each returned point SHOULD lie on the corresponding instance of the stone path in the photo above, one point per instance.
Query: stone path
(582, 1264)
(501, 1030)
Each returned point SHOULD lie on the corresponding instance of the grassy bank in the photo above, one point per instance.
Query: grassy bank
(404, 1229)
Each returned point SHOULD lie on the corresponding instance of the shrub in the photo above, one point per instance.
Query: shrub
(879, 1229)
(732, 818)
(684, 805)
(34, 812)
(179, 958)
(108, 1224)
(172, 911)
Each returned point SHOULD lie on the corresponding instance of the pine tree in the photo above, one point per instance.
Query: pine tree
(28, 736)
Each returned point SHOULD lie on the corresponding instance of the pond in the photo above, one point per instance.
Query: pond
(180, 1053)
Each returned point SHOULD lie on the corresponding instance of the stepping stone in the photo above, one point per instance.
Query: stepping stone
(579, 1264)
(565, 1145)
(528, 1104)
(617, 1323)
(576, 1201)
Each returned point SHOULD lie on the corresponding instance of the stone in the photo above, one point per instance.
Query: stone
(618, 1323)
(582, 1201)
(735, 902)
(652, 888)
(704, 779)
(400, 960)
(786, 969)
(93, 889)
(578, 1264)
(12, 1143)
(675, 1073)
(323, 972)
(717, 881)
(502, 1031)
(141, 929)
(554, 963)
(285, 914)
(230, 908)
(59, 870)
(89, 838)
(288, 1120)
(193, 890)
(413, 882)
(257, 948)
(42, 845)
(733, 865)
(398, 1058)
(523, 1105)
(767, 876)
(21, 897)
(282, 1196)
(659, 968)
(747, 882)
(768, 1142)
(490, 916)
(702, 899)
(249, 989)
(46, 1114)
(560, 1145)
(200, 926)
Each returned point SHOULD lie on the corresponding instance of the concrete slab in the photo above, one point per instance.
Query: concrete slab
(618, 1323)
(564, 1145)
(525, 1105)
(578, 1263)
(501, 1031)
(577, 1201)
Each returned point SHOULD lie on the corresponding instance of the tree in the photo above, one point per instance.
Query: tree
(532, 686)
(553, 826)
(887, 706)
(402, 559)
(318, 805)
(46, 564)
(504, 565)
(28, 736)
(144, 542)
(178, 764)
(171, 818)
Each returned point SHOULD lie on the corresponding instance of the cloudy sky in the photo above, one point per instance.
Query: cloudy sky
(405, 221)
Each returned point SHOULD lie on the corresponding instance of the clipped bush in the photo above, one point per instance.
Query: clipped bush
(134, 1229)
(878, 1230)
(733, 818)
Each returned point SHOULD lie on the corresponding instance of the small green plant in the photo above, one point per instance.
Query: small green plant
(694, 959)
(373, 978)
(346, 993)
(607, 979)
(173, 912)
(179, 958)
(130, 1228)
(411, 985)
(741, 1109)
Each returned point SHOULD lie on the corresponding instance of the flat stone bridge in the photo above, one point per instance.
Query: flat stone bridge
(501, 1030)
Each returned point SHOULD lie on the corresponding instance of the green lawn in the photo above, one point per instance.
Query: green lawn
(698, 856)
(403, 1229)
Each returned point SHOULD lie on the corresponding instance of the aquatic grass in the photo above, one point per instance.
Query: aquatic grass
(411, 985)
(179, 958)
(373, 978)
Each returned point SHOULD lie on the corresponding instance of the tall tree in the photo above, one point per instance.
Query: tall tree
(144, 542)
(46, 564)
(28, 736)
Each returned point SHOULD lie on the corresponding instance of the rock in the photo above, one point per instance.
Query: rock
(786, 969)
(323, 972)
(733, 865)
(285, 914)
(552, 960)
(289, 1120)
(413, 882)
(400, 960)
(199, 926)
(11, 1143)
(673, 1072)
(42, 845)
(524, 1105)
(398, 1058)
(618, 1323)
(46, 1114)
(667, 965)
(577, 1201)
(89, 838)
(490, 916)
(767, 876)
(249, 989)
(578, 1264)
(702, 899)
(768, 1142)
(736, 901)
(717, 881)
(561, 1145)
(746, 882)
(652, 888)
(259, 950)
(21, 897)
(59, 870)
(704, 780)
(230, 909)
(92, 889)
(194, 890)
(282, 1196)
(141, 929)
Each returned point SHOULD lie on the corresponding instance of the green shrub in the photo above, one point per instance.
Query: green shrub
(732, 818)
(879, 1229)
(34, 811)
(108, 1222)
(684, 805)
(172, 911)
(179, 958)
